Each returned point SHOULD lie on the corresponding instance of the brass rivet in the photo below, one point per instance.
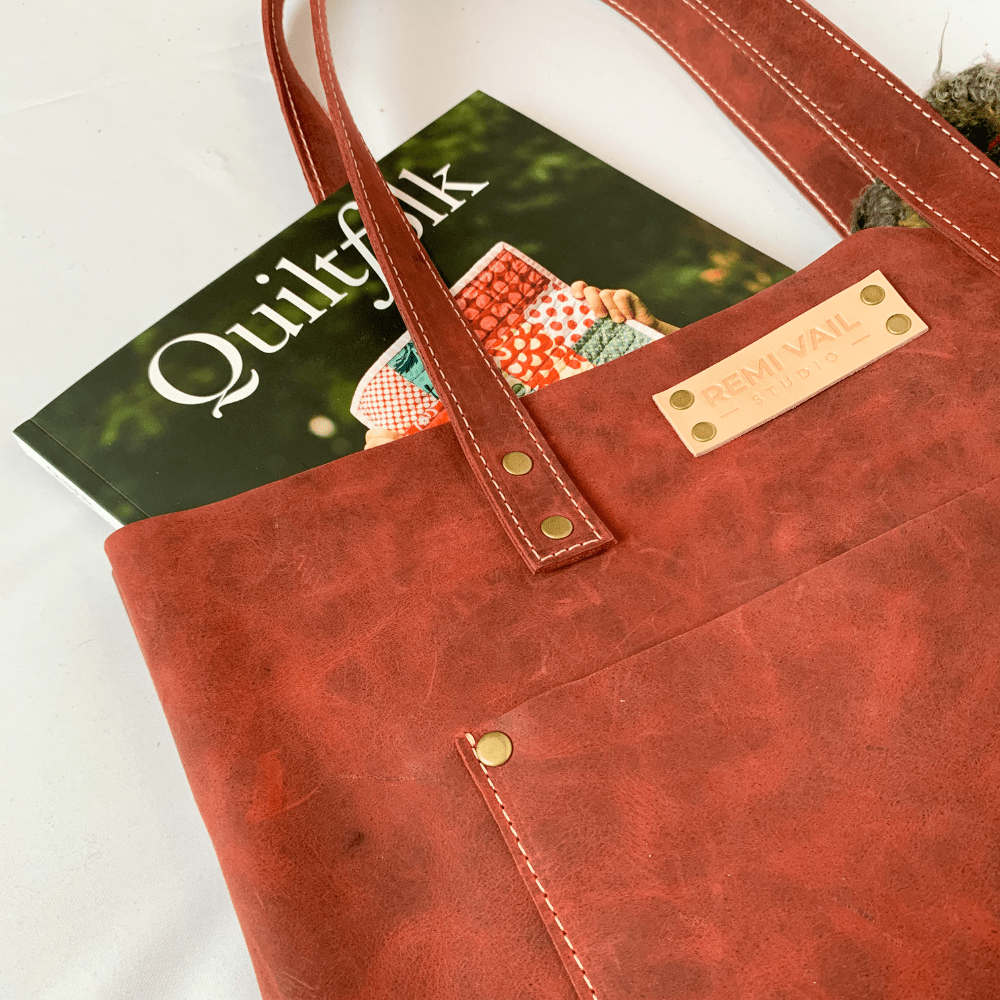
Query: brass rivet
(494, 749)
(517, 463)
(872, 295)
(557, 526)
(703, 431)
(681, 399)
(898, 324)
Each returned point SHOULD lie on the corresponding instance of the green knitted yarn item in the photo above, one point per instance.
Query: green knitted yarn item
(970, 101)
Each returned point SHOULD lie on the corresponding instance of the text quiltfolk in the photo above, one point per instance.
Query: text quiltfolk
(274, 327)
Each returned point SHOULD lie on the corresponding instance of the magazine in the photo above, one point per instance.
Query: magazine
(286, 361)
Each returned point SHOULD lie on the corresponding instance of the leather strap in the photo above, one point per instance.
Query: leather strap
(309, 125)
(488, 419)
(813, 100)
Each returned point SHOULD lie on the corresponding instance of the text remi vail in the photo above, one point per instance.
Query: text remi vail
(773, 364)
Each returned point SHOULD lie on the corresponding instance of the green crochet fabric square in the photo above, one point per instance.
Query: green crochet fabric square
(607, 340)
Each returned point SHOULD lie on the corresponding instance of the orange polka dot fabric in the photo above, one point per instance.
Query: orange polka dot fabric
(393, 402)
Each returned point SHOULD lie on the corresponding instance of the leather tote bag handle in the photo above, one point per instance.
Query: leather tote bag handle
(487, 418)
(830, 116)
(824, 110)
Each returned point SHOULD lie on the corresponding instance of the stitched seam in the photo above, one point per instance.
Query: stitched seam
(985, 164)
(843, 131)
(496, 375)
(324, 55)
(291, 102)
(530, 867)
(704, 82)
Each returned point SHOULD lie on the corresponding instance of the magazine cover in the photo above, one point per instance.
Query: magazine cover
(289, 358)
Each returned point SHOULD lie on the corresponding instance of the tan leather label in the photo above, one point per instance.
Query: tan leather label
(784, 368)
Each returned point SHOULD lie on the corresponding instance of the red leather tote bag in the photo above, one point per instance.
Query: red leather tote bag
(752, 696)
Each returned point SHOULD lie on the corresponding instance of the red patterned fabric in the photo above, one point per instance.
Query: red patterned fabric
(494, 299)
(527, 320)
(389, 400)
(539, 350)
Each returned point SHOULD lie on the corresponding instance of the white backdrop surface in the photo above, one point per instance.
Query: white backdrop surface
(143, 153)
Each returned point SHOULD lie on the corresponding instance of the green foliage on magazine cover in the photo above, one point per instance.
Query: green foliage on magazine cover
(138, 453)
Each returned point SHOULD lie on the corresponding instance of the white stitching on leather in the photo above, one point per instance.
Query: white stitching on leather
(985, 164)
(837, 221)
(325, 56)
(843, 131)
(530, 867)
(493, 371)
(291, 103)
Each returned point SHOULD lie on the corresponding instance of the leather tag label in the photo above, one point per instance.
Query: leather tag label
(788, 365)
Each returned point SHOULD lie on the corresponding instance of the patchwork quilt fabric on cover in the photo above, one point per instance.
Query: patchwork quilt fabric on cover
(528, 321)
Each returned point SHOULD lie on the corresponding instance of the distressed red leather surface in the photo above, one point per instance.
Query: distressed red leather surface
(799, 798)
(753, 751)
(320, 643)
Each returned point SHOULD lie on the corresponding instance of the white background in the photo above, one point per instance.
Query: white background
(143, 154)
